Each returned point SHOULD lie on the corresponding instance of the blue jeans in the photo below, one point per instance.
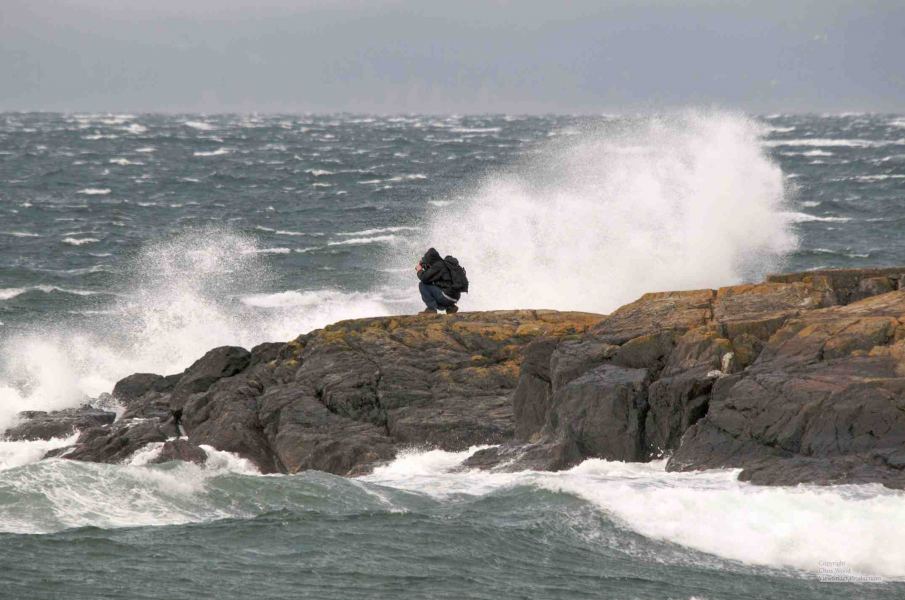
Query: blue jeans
(433, 296)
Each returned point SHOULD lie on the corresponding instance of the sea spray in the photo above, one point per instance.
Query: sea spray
(664, 203)
(181, 296)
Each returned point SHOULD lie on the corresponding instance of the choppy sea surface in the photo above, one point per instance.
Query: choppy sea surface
(137, 242)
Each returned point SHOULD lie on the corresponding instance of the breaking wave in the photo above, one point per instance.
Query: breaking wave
(182, 297)
(666, 203)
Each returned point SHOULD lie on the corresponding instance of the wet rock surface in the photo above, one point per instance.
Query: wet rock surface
(340, 399)
(799, 379)
(41, 425)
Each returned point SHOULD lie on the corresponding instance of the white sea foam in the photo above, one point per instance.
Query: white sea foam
(378, 230)
(94, 191)
(877, 177)
(146, 149)
(831, 142)
(200, 125)
(800, 217)
(358, 241)
(18, 453)
(589, 225)
(411, 177)
(808, 153)
(179, 304)
(217, 152)
(124, 162)
(135, 128)
(272, 250)
(281, 231)
(475, 129)
(9, 293)
(798, 527)
(64, 494)
(22, 234)
(79, 241)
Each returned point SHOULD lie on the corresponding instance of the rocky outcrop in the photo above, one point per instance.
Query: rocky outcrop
(797, 379)
(42, 425)
(800, 378)
(339, 399)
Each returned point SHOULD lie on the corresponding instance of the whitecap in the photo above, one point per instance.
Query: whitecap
(830, 142)
(808, 153)
(10, 293)
(377, 239)
(217, 152)
(280, 231)
(200, 125)
(79, 241)
(94, 191)
(136, 129)
(799, 217)
(272, 250)
(877, 177)
(393, 229)
(413, 177)
(475, 129)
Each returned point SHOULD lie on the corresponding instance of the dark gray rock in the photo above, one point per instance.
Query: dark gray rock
(132, 388)
(118, 442)
(217, 364)
(180, 450)
(531, 400)
(551, 456)
(798, 379)
(226, 418)
(41, 425)
(603, 412)
(675, 404)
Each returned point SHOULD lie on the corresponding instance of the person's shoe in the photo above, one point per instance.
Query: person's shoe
(428, 311)
(451, 310)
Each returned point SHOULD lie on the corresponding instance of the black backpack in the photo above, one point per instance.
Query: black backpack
(456, 274)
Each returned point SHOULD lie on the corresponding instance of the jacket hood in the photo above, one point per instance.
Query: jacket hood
(430, 257)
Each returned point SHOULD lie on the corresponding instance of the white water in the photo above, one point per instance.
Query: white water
(64, 494)
(798, 527)
(593, 222)
(596, 221)
(179, 302)
(670, 203)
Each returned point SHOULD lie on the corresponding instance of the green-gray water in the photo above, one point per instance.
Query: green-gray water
(137, 242)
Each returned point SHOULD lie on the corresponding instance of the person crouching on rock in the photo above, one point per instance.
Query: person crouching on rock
(442, 282)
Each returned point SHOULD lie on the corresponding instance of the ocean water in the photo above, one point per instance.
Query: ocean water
(137, 242)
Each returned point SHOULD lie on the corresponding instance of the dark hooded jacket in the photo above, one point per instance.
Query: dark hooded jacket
(436, 272)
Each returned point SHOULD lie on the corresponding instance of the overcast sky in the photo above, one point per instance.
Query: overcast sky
(452, 56)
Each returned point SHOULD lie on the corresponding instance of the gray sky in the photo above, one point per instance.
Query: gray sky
(452, 56)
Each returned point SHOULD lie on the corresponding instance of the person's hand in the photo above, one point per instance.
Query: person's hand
(419, 268)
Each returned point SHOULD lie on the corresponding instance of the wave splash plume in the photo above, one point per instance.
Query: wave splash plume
(665, 203)
(182, 297)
